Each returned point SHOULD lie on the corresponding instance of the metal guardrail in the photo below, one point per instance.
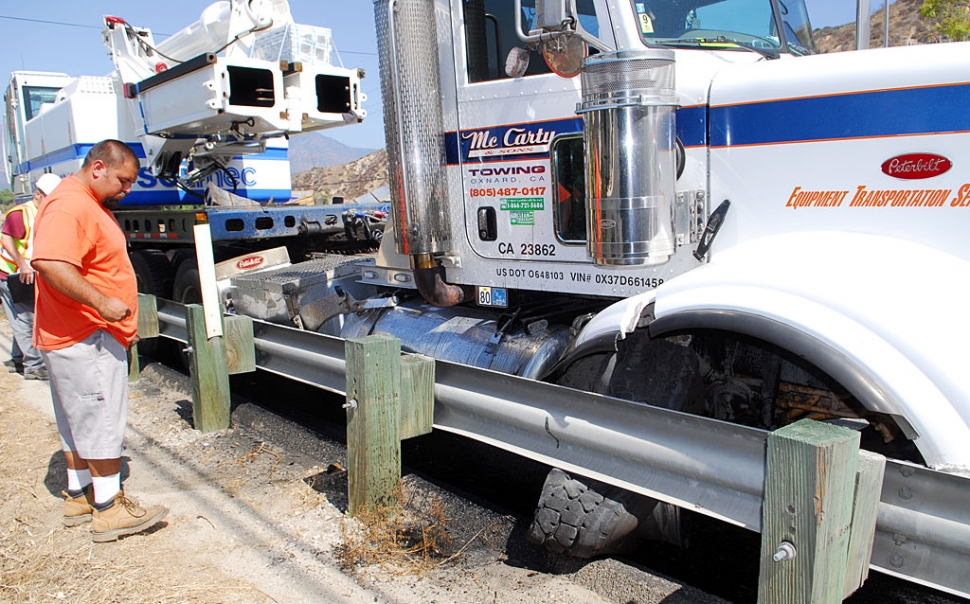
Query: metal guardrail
(644, 449)
(171, 320)
(923, 528)
(709, 466)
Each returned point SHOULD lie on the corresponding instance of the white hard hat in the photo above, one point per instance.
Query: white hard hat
(47, 183)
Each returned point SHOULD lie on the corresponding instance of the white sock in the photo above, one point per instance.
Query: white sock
(105, 488)
(78, 480)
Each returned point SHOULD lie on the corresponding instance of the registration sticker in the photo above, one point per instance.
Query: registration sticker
(646, 22)
(493, 296)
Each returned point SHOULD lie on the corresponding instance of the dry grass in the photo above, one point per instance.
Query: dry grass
(254, 453)
(50, 566)
(194, 555)
(40, 560)
(408, 540)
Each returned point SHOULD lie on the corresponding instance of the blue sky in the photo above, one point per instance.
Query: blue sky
(65, 35)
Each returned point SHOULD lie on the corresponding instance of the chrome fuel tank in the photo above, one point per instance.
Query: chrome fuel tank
(465, 335)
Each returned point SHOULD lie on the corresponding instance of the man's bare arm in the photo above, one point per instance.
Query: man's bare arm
(65, 278)
(10, 246)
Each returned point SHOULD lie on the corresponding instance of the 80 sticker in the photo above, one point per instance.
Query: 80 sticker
(493, 296)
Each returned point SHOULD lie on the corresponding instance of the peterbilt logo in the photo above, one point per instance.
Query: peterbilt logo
(914, 166)
(250, 262)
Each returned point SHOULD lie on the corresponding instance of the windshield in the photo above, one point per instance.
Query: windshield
(726, 24)
(35, 96)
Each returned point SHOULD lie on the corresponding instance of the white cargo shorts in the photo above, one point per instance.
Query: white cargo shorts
(89, 388)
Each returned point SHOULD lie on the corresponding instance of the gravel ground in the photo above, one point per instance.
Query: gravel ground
(257, 514)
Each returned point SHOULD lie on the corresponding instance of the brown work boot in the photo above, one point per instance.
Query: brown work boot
(77, 510)
(124, 517)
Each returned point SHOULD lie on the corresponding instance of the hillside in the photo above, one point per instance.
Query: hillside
(906, 27)
(315, 150)
(350, 180)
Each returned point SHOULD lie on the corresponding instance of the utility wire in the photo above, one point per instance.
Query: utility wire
(49, 22)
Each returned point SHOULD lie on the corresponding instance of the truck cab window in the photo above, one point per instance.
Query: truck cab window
(490, 36)
(724, 24)
(570, 189)
(34, 97)
(798, 27)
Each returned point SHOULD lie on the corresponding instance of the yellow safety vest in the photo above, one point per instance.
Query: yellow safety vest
(29, 211)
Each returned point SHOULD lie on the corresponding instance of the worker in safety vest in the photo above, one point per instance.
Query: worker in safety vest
(16, 237)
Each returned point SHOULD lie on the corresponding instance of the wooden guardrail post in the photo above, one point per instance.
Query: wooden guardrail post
(219, 345)
(210, 373)
(389, 398)
(808, 519)
(134, 365)
(147, 328)
(240, 348)
(870, 470)
(373, 431)
(417, 395)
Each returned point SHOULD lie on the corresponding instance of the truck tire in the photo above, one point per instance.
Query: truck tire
(186, 289)
(587, 519)
(153, 272)
(153, 275)
(575, 519)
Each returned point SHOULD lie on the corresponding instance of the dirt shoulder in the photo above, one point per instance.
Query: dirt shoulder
(254, 521)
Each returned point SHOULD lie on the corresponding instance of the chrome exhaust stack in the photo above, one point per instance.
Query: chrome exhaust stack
(628, 108)
(413, 125)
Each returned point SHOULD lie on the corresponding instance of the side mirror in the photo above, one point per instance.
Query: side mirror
(564, 55)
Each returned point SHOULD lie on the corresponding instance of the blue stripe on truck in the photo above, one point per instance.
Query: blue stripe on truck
(80, 151)
(867, 114)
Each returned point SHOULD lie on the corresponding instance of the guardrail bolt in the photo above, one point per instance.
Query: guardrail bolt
(188, 350)
(351, 404)
(786, 551)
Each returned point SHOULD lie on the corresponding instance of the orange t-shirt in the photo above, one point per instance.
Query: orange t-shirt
(72, 226)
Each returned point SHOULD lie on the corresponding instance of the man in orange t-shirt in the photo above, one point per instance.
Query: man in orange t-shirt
(85, 321)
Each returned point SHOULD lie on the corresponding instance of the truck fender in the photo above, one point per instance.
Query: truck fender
(883, 316)
(613, 323)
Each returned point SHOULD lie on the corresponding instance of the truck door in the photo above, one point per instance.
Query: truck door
(519, 139)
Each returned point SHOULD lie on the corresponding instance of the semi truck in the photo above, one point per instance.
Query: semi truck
(674, 203)
(682, 203)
